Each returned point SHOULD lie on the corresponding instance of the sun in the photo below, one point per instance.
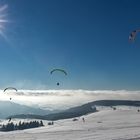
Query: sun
(3, 19)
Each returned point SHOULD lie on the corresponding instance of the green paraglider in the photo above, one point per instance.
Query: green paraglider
(59, 70)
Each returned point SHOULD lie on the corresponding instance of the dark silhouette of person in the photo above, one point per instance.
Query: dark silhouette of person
(83, 119)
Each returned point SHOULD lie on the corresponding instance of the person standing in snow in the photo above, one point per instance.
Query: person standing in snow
(83, 119)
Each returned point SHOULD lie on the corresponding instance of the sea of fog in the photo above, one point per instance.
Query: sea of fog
(63, 99)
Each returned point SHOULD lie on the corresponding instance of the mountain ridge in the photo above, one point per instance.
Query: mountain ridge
(80, 110)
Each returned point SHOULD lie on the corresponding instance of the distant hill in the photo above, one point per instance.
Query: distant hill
(80, 110)
(9, 108)
(69, 113)
(114, 103)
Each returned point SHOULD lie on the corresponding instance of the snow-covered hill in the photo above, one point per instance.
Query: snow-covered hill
(107, 124)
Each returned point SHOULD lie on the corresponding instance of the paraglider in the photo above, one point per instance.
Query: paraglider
(58, 70)
(10, 88)
(133, 34)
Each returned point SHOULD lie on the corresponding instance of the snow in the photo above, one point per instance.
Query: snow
(107, 124)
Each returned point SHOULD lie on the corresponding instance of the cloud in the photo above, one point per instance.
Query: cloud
(62, 99)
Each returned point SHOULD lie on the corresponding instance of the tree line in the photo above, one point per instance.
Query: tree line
(21, 125)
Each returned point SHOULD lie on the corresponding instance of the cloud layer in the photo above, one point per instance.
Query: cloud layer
(62, 99)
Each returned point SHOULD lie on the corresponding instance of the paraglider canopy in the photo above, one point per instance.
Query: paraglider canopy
(59, 70)
(10, 88)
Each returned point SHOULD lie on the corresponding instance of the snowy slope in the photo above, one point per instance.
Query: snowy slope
(107, 124)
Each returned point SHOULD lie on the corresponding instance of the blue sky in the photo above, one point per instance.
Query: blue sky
(87, 38)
